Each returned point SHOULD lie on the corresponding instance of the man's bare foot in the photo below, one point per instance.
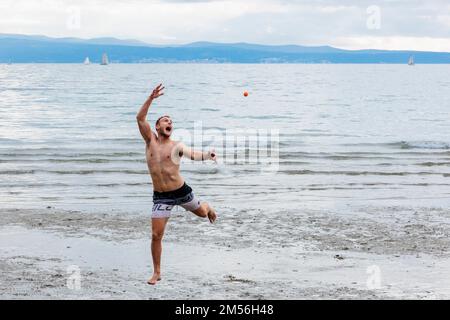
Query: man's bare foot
(154, 279)
(212, 215)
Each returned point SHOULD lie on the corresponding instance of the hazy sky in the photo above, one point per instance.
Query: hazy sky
(388, 24)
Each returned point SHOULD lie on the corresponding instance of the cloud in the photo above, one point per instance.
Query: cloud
(342, 22)
(394, 43)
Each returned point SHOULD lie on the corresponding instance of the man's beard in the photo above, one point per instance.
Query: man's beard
(164, 134)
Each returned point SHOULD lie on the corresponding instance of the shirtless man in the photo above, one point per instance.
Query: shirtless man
(169, 189)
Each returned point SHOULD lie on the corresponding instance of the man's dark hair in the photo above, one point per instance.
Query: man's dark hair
(157, 121)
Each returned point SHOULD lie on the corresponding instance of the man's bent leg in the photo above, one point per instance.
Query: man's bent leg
(206, 211)
(158, 227)
(203, 210)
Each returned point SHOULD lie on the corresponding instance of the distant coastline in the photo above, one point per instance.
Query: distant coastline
(41, 49)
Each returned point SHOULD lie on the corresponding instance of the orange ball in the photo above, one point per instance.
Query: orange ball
(245, 93)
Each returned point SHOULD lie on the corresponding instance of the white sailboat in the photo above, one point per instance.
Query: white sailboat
(411, 61)
(105, 60)
(87, 61)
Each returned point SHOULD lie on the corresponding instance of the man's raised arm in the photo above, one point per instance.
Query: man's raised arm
(141, 117)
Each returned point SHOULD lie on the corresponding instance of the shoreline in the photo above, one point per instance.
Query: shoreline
(201, 261)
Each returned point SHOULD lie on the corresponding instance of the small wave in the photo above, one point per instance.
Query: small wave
(422, 145)
(91, 198)
(356, 173)
(265, 117)
(120, 140)
(294, 163)
(8, 140)
(78, 172)
(92, 160)
(334, 156)
(34, 185)
(131, 184)
(348, 156)
(433, 164)
(404, 145)
(14, 172)
(214, 170)
(76, 160)
(72, 155)
(84, 172)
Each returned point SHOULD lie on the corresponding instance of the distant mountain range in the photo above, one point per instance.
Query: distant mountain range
(41, 49)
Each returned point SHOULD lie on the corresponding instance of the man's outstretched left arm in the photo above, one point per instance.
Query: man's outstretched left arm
(197, 155)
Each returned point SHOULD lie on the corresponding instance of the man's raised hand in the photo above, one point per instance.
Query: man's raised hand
(157, 92)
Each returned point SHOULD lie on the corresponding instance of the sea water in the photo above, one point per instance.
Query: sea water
(343, 135)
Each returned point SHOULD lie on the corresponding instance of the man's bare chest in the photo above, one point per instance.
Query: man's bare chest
(156, 153)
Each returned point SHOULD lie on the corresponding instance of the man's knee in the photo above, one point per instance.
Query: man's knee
(204, 209)
(157, 236)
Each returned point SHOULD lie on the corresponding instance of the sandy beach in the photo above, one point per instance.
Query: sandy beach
(330, 255)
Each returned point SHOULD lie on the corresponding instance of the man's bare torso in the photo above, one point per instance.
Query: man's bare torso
(163, 161)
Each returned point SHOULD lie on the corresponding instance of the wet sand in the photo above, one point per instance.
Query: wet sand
(246, 255)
